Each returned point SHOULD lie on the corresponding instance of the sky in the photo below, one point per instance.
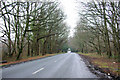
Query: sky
(70, 8)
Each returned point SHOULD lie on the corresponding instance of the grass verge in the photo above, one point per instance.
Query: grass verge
(109, 66)
(27, 59)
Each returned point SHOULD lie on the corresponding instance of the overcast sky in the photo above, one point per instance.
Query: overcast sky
(70, 9)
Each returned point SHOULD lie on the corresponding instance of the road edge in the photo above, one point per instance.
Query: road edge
(96, 70)
(9, 65)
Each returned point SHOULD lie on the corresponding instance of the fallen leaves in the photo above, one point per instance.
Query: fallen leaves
(27, 59)
(106, 64)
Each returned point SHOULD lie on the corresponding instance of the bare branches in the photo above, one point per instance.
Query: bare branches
(100, 21)
(32, 24)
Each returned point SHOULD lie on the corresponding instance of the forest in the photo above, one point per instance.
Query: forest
(39, 28)
(98, 29)
(31, 28)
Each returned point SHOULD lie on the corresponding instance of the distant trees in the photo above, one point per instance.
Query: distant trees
(99, 28)
(35, 27)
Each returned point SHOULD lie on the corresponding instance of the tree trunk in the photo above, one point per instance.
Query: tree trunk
(106, 31)
(28, 48)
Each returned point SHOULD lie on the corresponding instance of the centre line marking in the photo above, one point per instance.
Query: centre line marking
(55, 61)
(37, 71)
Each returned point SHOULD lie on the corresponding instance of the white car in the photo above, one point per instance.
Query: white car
(68, 51)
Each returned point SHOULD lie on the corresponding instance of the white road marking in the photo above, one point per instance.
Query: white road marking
(37, 71)
(55, 61)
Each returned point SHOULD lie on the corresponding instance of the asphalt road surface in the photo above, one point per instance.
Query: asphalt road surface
(68, 65)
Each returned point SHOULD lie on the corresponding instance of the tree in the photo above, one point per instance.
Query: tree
(101, 23)
(32, 26)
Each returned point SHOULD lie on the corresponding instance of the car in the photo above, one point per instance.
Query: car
(69, 51)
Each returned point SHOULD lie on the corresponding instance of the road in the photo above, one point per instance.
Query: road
(68, 65)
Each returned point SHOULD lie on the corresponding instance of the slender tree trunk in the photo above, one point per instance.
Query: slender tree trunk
(28, 48)
(106, 31)
(44, 47)
(99, 47)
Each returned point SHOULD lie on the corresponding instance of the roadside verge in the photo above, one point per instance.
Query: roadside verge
(103, 67)
(4, 65)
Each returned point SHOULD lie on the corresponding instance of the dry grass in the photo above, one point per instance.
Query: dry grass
(108, 65)
(12, 60)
